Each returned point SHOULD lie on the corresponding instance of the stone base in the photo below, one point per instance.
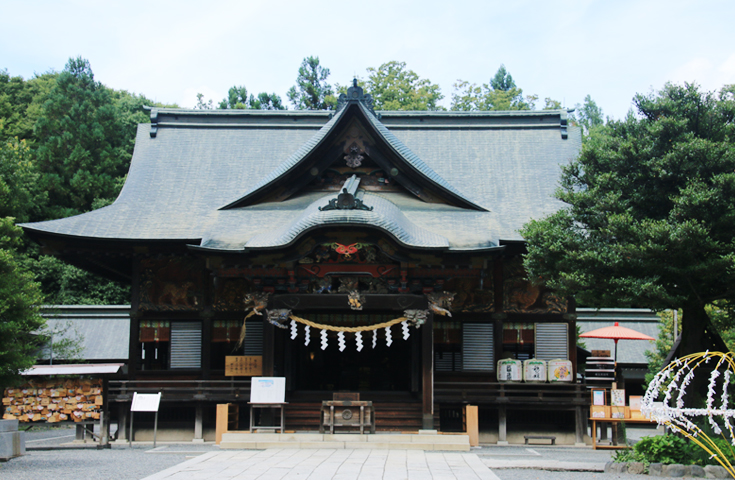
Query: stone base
(12, 442)
(243, 440)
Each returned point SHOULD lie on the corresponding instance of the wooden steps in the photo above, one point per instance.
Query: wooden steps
(389, 417)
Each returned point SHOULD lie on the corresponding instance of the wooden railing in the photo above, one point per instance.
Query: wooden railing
(511, 394)
(181, 390)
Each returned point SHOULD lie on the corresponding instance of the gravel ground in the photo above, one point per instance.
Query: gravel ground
(118, 463)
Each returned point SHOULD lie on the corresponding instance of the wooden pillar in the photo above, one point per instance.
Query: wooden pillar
(427, 371)
(206, 345)
(198, 418)
(268, 348)
(134, 344)
(502, 426)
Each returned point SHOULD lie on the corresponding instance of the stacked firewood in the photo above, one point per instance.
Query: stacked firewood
(54, 401)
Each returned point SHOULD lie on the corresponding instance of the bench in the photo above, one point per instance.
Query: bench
(540, 437)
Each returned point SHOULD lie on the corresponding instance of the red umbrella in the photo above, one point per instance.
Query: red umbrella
(616, 332)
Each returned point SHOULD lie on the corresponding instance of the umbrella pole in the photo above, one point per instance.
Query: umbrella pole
(615, 358)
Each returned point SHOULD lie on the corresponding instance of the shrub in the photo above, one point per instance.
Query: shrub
(666, 449)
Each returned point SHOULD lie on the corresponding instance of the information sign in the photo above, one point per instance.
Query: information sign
(268, 390)
(145, 402)
(244, 365)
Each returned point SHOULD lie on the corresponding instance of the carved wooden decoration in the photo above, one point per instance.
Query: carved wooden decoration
(171, 284)
(521, 296)
(469, 297)
(230, 292)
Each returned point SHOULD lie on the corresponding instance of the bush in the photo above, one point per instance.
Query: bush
(666, 449)
(702, 458)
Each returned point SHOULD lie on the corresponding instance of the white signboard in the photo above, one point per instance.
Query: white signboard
(145, 402)
(267, 390)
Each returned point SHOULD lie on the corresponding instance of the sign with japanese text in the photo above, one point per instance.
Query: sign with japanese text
(244, 366)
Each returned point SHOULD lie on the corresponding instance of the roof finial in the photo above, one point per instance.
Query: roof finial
(354, 81)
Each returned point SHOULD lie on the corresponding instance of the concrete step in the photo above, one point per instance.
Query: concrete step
(259, 441)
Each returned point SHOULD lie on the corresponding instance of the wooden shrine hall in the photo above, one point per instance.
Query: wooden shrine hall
(369, 252)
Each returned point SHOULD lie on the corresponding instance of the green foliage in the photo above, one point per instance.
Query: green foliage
(702, 458)
(21, 103)
(664, 342)
(19, 315)
(82, 145)
(666, 449)
(20, 196)
(202, 104)
(237, 98)
(650, 205)
(500, 94)
(588, 115)
(394, 87)
(312, 92)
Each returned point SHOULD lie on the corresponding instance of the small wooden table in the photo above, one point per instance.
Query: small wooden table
(267, 405)
(595, 446)
(345, 417)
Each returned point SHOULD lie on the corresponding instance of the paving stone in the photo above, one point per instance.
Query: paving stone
(636, 468)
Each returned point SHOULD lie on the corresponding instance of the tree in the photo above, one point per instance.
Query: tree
(650, 209)
(589, 115)
(202, 104)
(20, 196)
(394, 87)
(500, 94)
(312, 92)
(237, 98)
(20, 298)
(82, 146)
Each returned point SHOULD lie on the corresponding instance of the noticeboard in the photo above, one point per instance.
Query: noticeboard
(243, 365)
(268, 390)
(145, 402)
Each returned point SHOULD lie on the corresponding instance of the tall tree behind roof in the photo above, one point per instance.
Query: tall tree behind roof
(82, 147)
(394, 87)
(589, 115)
(237, 98)
(500, 94)
(312, 92)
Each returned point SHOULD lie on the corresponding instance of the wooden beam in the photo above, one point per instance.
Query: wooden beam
(427, 370)
(268, 348)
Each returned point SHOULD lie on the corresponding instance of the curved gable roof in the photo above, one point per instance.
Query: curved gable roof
(410, 165)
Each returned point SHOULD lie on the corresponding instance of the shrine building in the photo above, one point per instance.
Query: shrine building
(347, 251)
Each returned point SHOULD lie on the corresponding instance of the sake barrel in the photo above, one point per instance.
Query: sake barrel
(534, 370)
(559, 371)
(510, 370)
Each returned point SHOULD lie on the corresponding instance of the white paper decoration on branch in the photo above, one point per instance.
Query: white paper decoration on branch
(307, 339)
(324, 339)
(294, 329)
(375, 338)
(358, 341)
(404, 324)
(341, 341)
(388, 338)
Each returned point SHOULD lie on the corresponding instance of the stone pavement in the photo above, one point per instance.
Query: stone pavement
(330, 464)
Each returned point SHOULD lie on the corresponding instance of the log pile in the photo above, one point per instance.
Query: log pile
(54, 401)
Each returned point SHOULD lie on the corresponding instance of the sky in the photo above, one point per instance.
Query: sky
(171, 50)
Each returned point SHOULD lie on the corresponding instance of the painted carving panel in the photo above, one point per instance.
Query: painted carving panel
(522, 296)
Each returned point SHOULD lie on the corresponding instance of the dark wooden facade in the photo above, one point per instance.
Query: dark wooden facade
(345, 227)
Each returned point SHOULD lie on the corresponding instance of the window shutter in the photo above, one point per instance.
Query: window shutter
(552, 341)
(478, 347)
(253, 344)
(186, 345)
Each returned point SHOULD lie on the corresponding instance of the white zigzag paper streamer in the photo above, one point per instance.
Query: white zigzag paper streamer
(388, 338)
(294, 329)
(307, 335)
(341, 341)
(324, 339)
(358, 341)
(406, 334)
(375, 338)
